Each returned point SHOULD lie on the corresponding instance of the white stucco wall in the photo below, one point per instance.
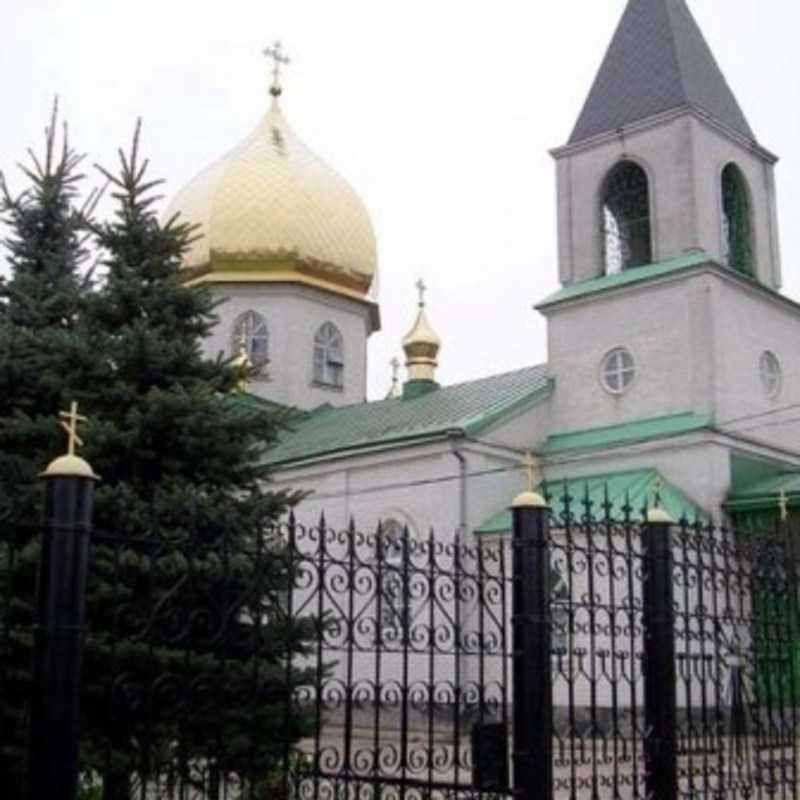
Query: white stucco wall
(293, 315)
(418, 485)
(747, 323)
(655, 322)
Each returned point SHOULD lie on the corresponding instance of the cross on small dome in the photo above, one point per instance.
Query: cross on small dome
(421, 288)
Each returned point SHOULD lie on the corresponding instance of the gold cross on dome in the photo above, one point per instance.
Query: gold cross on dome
(421, 288)
(395, 364)
(69, 422)
(530, 466)
(279, 60)
(783, 505)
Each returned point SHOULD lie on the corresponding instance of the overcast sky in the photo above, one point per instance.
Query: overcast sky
(439, 112)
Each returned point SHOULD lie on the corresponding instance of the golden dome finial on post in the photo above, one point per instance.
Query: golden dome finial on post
(279, 60)
(421, 346)
(70, 465)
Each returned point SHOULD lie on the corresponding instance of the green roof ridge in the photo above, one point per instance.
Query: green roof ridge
(627, 277)
(644, 429)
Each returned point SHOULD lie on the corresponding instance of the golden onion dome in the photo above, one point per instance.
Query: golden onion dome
(271, 210)
(421, 344)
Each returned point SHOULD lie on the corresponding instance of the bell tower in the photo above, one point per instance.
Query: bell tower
(662, 161)
(669, 311)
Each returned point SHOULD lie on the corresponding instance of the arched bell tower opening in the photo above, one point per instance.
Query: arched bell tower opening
(737, 230)
(625, 218)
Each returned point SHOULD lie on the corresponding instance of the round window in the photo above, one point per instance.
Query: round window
(618, 370)
(770, 370)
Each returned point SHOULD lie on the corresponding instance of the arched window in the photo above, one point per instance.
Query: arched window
(251, 328)
(392, 554)
(328, 356)
(736, 235)
(625, 213)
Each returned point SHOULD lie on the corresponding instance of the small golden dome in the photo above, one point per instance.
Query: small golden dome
(421, 344)
(271, 210)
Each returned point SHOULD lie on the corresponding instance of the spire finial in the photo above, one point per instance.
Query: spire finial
(69, 422)
(530, 468)
(394, 390)
(279, 60)
(421, 288)
(658, 486)
(783, 505)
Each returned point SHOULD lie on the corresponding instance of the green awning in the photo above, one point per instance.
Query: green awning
(765, 494)
(635, 488)
(642, 430)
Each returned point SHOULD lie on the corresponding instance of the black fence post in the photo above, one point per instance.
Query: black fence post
(531, 626)
(59, 629)
(660, 708)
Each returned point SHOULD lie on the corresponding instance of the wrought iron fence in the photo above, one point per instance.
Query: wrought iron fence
(581, 658)
(675, 658)
(326, 664)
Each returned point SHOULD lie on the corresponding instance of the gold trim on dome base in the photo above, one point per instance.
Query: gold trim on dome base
(291, 262)
(248, 275)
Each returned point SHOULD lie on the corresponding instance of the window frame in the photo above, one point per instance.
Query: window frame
(393, 552)
(738, 244)
(612, 222)
(619, 370)
(770, 373)
(328, 360)
(256, 328)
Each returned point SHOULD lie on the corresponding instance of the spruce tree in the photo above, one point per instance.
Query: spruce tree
(176, 450)
(185, 667)
(43, 356)
(44, 361)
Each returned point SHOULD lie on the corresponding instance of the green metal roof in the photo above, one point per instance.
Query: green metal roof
(465, 407)
(626, 278)
(641, 430)
(634, 488)
(766, 493)
(245, 402)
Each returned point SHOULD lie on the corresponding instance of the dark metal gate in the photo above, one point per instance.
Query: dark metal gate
(583, 658)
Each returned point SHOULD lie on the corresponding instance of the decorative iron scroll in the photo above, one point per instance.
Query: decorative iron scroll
(270, 669)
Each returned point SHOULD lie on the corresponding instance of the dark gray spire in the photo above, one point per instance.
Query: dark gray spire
(658, 60)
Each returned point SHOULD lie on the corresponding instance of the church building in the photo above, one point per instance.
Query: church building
(671, 375)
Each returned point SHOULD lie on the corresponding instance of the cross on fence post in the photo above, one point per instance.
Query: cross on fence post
(59, 628)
